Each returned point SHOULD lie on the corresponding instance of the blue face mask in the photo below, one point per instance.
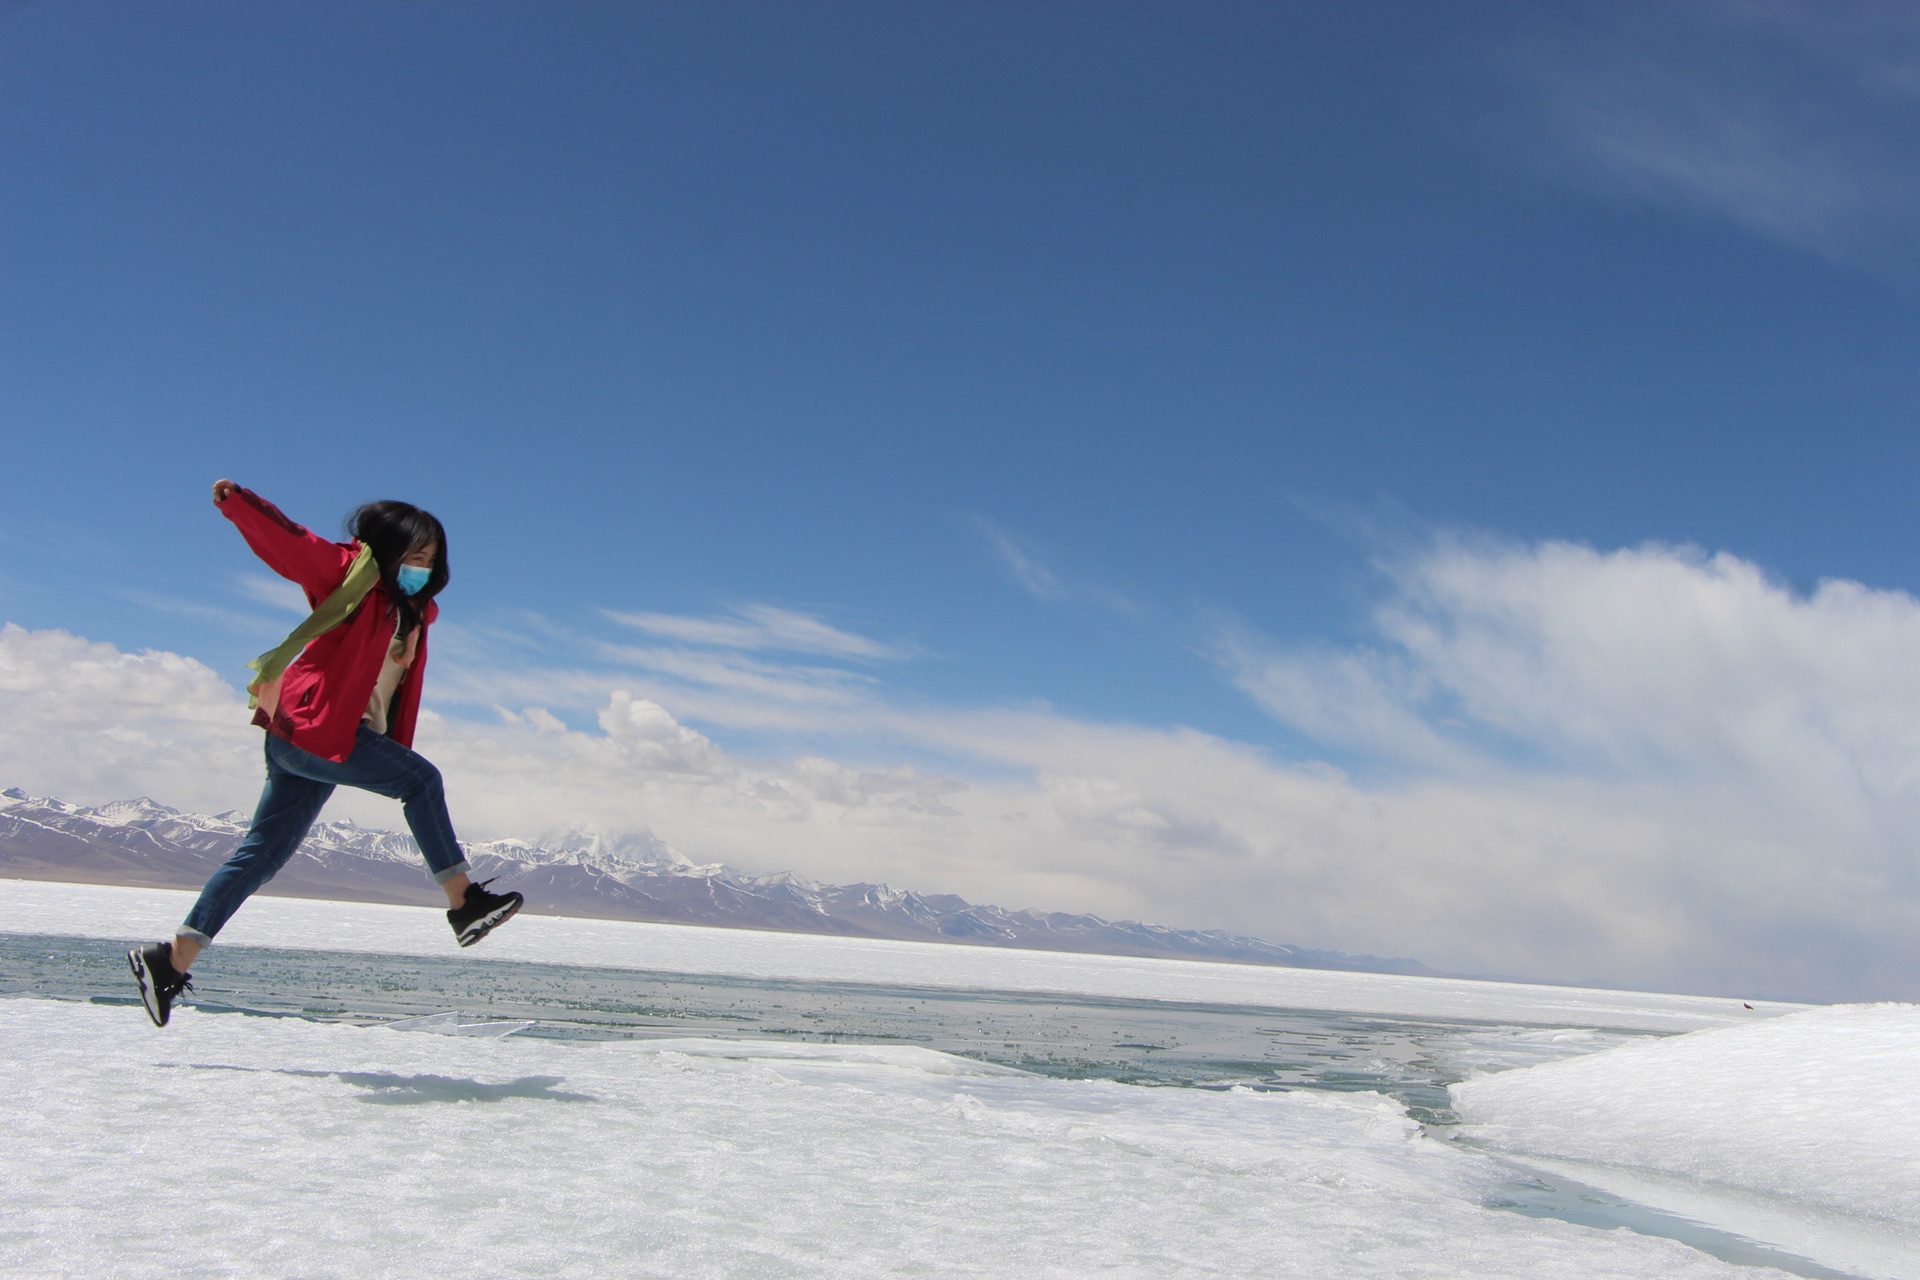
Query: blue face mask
(411, 578)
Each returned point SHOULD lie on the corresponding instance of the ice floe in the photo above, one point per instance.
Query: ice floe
(1803, 1131)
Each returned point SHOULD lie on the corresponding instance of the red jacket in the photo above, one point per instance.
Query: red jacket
(326, 689)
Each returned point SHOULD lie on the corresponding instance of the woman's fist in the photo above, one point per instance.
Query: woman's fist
(221, 488)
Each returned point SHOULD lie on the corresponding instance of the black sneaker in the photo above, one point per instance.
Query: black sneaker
(482, 912)
(160, 983)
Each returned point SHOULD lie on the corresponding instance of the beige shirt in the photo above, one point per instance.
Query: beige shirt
(393, 669)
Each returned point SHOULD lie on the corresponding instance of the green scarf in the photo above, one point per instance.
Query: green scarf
(361, 575)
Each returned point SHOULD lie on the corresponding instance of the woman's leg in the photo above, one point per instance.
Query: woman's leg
(384, 767)
(288, 806)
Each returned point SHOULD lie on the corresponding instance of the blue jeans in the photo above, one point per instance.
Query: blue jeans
(298, 783)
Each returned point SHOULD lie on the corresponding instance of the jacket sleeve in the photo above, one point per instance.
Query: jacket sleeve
(287, 548)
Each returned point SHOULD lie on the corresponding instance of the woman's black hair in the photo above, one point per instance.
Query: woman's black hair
(393, 530)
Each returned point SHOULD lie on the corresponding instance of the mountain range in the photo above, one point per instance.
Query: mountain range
(583, 873)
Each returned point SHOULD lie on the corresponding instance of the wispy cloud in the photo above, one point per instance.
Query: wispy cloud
(785, 682)
(737, 681)
(1026, 569)
(276, 592)
(1021, 564)
(1361, 700)
(1797, 121)
(758, 627)
(226, 619)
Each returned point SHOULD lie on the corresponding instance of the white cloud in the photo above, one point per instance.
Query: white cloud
(1762, 747)
(1655, 661)
(651, 738)
(85, 720)
(1651, 767)
(760, 627)
(1797, 121)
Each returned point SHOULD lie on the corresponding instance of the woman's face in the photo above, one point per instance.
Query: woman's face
(422, 557)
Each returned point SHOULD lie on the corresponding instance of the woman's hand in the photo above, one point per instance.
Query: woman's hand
(221, 488)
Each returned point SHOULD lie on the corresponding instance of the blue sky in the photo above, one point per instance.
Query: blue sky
(1134, 366)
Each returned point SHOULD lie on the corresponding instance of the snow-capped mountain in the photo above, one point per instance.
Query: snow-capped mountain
(582, 873)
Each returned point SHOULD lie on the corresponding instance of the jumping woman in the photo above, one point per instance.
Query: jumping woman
(338, 699)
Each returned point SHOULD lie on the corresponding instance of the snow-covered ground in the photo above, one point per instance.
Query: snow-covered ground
(230, 1146)
(237, 1145)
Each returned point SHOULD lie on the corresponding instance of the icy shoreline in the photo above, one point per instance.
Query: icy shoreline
(96, 911)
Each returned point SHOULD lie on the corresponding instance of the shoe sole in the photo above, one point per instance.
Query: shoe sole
(487, 924)
(149, 994)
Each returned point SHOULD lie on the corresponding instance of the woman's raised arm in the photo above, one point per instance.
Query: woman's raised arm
(289, 549)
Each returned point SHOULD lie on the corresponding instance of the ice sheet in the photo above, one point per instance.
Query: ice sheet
(106, 912)
(1803, 1132)
(235, 1145)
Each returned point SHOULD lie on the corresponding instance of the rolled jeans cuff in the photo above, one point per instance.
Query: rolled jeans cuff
(459, 868)
(185, 931)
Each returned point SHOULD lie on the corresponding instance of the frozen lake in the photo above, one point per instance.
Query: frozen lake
(704, 1102)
